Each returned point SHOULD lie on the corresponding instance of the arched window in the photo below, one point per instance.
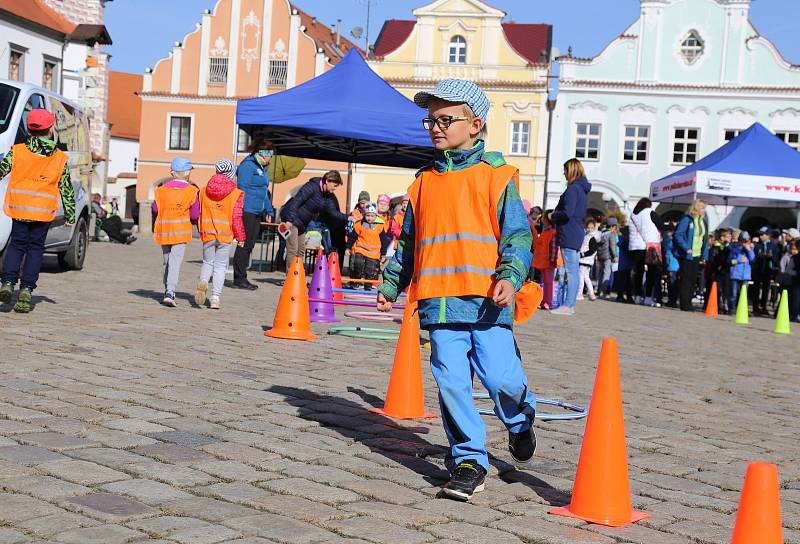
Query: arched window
(692, 47)
(458, 50)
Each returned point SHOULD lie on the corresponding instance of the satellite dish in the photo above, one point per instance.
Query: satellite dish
(357, 32)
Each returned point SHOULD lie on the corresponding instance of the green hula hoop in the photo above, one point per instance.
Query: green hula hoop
(366, 332)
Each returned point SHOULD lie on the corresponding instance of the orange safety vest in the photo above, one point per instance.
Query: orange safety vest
(216, 217)
(32, 193)
(456, 228)
(173, 225)
(541, 249)
(368, 242)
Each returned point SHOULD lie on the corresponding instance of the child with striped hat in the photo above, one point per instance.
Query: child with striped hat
(220, 222)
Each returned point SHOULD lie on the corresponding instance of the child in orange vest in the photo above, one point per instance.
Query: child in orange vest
(367, 248)
(220, 222)
(466, 243)
(545, 257)
(176, 206)
(39, 179)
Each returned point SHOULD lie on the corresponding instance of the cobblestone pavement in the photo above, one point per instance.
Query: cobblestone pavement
(125, 421)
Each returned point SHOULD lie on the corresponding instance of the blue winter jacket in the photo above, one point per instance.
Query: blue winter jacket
(738, 270)
(570, 214)
(670, 259)
(684, 235)
(253, 180)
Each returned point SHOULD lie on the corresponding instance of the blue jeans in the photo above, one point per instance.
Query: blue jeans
(571, 264)
(26, 242)
(459, 351)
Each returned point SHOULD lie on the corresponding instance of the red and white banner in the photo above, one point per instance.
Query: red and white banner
(726, 188)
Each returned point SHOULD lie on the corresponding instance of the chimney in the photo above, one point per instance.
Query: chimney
(338, 33)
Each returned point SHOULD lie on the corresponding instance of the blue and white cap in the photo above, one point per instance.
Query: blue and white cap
(181, 164)
(226, 167)
(457, 90)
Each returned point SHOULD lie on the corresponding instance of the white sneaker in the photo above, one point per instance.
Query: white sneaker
(579, 297)
(214, 302)
(563, 310)
(169, 299)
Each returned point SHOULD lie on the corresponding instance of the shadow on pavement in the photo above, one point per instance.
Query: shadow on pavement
(401, 444)
(158, 295)
(380, 434)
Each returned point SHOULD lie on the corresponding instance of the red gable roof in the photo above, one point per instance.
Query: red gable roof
(392, 35)
(530, 41)
(325, 37)
(37, 12)
(527, 40)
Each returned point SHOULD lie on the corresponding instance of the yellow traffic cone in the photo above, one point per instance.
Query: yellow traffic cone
(742, 317)
(782, 320)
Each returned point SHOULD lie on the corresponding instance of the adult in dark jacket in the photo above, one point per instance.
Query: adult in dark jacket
(568, 217)
(315, 197)
(252, 178)
(691, 248)
(768, 258)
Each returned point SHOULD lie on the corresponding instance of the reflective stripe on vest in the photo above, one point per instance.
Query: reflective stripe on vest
(33, 193)
(173, 225)
(216, 217)
(457, 230)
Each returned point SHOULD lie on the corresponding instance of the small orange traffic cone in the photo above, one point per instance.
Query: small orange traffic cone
(292, 320)
(336, 275)
(601, 492)
(759, 515)
(711, 307)
(404, 398)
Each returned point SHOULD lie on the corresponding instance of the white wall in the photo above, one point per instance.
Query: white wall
(73, 63)
(121, 155)
(37, 47)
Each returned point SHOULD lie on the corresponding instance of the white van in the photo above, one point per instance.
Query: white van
(71, 133)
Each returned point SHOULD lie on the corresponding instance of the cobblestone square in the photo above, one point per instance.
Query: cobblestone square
(125, 421)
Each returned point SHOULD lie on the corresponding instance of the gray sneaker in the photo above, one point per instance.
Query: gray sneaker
(563, 310)
(6, 292)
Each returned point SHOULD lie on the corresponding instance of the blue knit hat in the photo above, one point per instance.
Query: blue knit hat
(225, 167)
(457, 90)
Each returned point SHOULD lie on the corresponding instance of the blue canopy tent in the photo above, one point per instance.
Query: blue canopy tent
(754, 169)
(347, 114)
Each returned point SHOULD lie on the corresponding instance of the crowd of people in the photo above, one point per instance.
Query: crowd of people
(641, 259)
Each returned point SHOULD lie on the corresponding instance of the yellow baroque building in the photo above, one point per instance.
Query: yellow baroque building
(468, 39)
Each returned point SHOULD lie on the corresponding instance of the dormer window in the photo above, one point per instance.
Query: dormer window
(458, 50)
(692, 47)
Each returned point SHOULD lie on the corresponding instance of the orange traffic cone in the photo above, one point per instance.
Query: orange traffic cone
(404, 398)
(601, 492)
(711, 306)
(336, 275)
(292, 320)
(759, 516)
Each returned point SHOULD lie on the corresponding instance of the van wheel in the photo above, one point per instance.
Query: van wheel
(73, 257)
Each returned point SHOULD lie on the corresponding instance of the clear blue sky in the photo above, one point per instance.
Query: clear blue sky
(144, 30)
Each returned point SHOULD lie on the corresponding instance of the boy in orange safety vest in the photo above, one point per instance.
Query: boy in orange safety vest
(39, 178)
(464, 249)
(176, 206)
(220, 222)
(367, 247)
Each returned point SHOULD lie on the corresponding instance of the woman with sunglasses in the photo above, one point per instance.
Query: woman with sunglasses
(253, 180)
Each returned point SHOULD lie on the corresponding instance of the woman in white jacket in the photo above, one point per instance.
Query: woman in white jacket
(645, 238)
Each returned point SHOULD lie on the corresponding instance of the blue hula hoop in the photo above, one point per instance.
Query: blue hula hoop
(579, 412)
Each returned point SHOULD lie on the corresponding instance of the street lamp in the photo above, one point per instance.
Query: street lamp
(551, 105)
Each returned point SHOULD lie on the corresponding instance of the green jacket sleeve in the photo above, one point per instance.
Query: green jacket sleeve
(515, 237)
(398, 273)
(67, 195)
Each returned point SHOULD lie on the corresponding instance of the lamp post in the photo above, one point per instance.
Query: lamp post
(551, 105)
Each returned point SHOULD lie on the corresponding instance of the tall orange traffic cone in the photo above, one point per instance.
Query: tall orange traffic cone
(404, 398)
(601, 492)
(292, 320)
(711, 306)
(336, 275)
(759, 516)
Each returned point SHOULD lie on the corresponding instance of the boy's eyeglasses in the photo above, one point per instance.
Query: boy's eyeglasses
(442, 122)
